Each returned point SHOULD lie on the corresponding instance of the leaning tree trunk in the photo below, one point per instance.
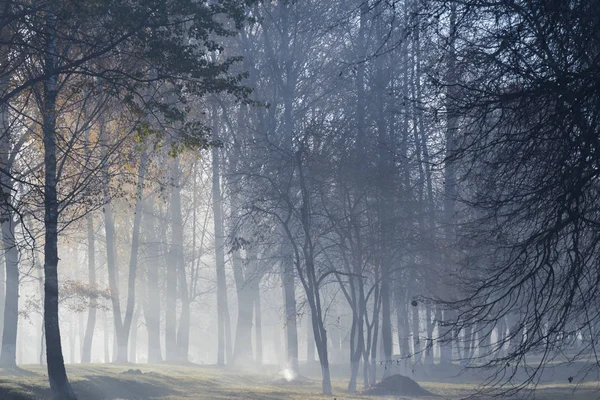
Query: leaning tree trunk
(133, 331)
(133, 260)
(57, 375)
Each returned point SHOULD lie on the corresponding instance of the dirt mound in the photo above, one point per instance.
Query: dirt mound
(132, 372)
(397, 385)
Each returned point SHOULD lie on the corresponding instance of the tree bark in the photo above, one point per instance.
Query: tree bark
(152, 303)
(11, 305)
(416, 334)
(258, 325)
(291, 328)
(133, 336)
(57, 374)
(310, 341)
(86, 350)
(223, 349)
(133, 259)
(107, 329)
(429, 325)
(9, 290)
(450, 189)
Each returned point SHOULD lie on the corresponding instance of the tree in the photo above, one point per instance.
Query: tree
(525, 103)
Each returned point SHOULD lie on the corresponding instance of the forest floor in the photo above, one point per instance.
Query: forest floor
(96, 381)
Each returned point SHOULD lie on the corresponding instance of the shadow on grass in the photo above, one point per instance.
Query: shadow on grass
(17, 372)
(91, 388)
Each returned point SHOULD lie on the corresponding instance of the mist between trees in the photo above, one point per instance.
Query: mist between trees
(384, 185)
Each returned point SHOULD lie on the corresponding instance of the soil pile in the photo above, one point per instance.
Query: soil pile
(397, 385)
(132, 372)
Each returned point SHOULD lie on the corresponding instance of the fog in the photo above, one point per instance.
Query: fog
(285, 199)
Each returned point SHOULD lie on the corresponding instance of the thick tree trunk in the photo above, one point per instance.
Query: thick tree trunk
(446, 339)
(3, 292)
(120, 355)
(183, 333)
(11, 305)
(429, 326)
(258, 325)
(133, 336)
(357, 342)
(133, 260)
(72, 339)
(42, 344)
(386, 321)
(107, 329)
(310, 341)
(291, 328)
(450, 188)
(10, 289)
(223, 349)
(320, 335)
(416, 334)
(86, 350)
(152, 303)
(171, 301)
(242, 352)
(57, 374)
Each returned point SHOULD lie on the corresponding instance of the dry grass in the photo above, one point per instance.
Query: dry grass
(95, 382)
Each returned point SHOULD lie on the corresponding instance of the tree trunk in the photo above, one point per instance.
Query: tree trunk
(86, 351)
(183, 333)
(133, 336)
(450, 188)
(152, 303)
(429, 346)
(57, 375)
(416, 334)
(258, 325)
(320, 335)
(72, 339)
(133, 259)
(11, 305)
(10, 287)
(42, 343)
(120, 355)
(242, 352)
(223, 349)
(171, 302)
(291, 328)
(445, 340)
(107, 329)
(310, 341)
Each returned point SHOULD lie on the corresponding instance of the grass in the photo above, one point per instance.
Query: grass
(95, 382)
